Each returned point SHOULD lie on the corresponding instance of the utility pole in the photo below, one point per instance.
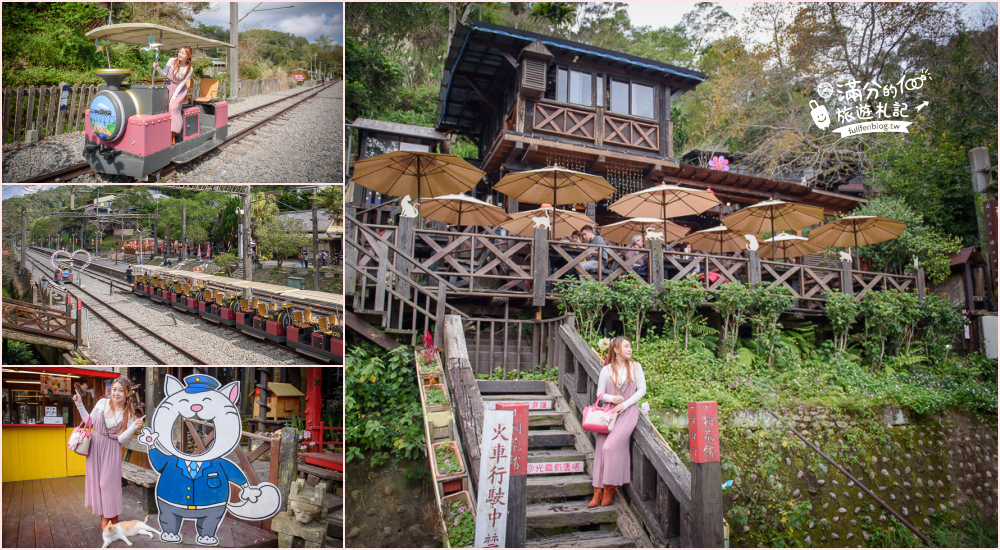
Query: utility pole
(315, 246)
(156, 239)
(246, 236)
(184, 247)
(234, 52)
(986, 210)
(24, 235)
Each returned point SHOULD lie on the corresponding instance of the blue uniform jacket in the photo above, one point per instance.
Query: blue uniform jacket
(209, 486)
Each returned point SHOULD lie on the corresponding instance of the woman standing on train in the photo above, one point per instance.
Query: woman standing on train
(178, 73)
(114, 421)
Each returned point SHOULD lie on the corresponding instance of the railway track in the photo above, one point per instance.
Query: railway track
(77, 170)
(167, 352)
(125, 288)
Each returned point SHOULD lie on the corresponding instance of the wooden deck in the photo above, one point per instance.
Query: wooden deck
(49, 513)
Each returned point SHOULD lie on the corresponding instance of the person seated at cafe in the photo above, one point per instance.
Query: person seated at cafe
(686, 249)
(640, 266)
(589, 237)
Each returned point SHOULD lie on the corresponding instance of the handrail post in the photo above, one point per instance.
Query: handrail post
(846, 279)
(753, 268)
(706, 475)
(442, 299)
(79, 321)
(921, 284)
(655, 264)
(405, 242)
(539, 266)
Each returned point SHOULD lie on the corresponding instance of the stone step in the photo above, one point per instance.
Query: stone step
(555, 455)
(550, 438)
(560, 486)
(583, 539)
(548, 515)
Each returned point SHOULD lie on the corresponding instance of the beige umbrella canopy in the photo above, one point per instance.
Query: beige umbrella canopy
(461, 210)
(555, 186)
(566, 222)
(773, 216)
(416, 173)
(664, 202)
(717, 240)
(622, 232)
(788, 246)
(856, 231)
(170, 39)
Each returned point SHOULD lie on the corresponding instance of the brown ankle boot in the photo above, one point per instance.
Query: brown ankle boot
(597, 498)
(609, 495)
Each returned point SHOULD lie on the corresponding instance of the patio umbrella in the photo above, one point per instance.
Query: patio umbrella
(664, 202)
(854, 231)
(462, 210)
(788, 246)
(622, 232)
(416, 173)
(556, 186)
(566, 222)
(717, 240)
(773, 216)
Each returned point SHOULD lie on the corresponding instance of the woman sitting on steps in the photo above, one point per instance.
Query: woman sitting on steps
(623, 383)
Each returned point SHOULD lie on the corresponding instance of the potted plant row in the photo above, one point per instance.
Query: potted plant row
(428, 359)
(449, 469)
(459, 517)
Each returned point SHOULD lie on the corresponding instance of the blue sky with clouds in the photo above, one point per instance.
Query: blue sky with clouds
(10, 191)
(307, 19)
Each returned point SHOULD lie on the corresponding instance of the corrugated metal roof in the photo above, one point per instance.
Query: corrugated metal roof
(282, 390)
(398, 128)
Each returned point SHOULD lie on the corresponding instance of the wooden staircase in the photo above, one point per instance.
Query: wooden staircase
(560, 458)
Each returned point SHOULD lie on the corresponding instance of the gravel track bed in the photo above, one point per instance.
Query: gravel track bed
(21, 162)
(215, 344)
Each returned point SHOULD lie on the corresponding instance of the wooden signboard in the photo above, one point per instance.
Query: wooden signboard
(533, 404)
(703, 429)
(494, 479)
(517, 501)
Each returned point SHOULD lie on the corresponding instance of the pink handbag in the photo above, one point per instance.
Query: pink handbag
(599, 420)
(79, 440)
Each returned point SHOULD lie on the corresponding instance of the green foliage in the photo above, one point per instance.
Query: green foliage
(632, 298)
(371, 79)
(940, 322)
(382, 407)
(461, 524)
(436, 396)
(225, 261)
(733, 301)
(679, 304)
(537, 372)
(286, 234)
(588, 300)
(933, 248)
(447, 461)
(768, 305)
(842, 310)
(19, 353)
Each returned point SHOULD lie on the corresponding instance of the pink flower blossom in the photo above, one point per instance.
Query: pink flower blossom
(719, 163)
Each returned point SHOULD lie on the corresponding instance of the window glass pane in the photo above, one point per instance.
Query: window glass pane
(599, 92)
(642, 101)
(580, 88)
(619, 96)
(561, 84)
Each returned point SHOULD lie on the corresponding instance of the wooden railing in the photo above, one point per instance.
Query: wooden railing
(46, 321)
(631, 133)
(564, 121)
(660, 491)
(490, 337)
(465, 397)
(449, 263)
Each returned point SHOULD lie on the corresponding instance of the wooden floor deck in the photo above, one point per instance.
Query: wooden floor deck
(49, 513)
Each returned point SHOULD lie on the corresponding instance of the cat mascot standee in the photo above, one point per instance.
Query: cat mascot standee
(196, 487)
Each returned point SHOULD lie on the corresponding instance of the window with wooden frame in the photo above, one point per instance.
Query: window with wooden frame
(574, 86)
(631, 98)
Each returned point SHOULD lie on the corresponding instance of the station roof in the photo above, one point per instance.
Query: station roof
(481, 50)
(396, 128)
(138, 34)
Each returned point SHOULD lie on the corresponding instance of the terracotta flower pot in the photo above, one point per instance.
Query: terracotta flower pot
(461, 465)
(462, 496)
(432, 408)
(431, 369)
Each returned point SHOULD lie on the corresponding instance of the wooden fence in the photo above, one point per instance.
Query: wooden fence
(38, 108)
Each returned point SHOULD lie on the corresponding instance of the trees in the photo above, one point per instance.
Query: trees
(287, 235)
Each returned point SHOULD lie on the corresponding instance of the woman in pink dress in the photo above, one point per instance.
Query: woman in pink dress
(178, 73)
(114, 422)
(623, 383)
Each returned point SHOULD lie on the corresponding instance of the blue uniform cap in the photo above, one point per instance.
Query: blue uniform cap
(197, 383)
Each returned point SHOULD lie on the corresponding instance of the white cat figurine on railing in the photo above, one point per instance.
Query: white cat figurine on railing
(408, 210)
(542, 221)
(653, 235)
(845, 256)
(752, 243)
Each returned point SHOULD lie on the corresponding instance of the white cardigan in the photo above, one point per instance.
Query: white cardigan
(98, 412)
(638, 376)
(170, 64)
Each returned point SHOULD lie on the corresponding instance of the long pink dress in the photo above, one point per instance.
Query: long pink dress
(612, 458)
(103, 483)
(173, 81)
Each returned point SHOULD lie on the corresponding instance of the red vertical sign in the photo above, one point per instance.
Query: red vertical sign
(703, 429)
(519, 442)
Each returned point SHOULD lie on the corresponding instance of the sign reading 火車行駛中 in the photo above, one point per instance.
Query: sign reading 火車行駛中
(494, 479)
